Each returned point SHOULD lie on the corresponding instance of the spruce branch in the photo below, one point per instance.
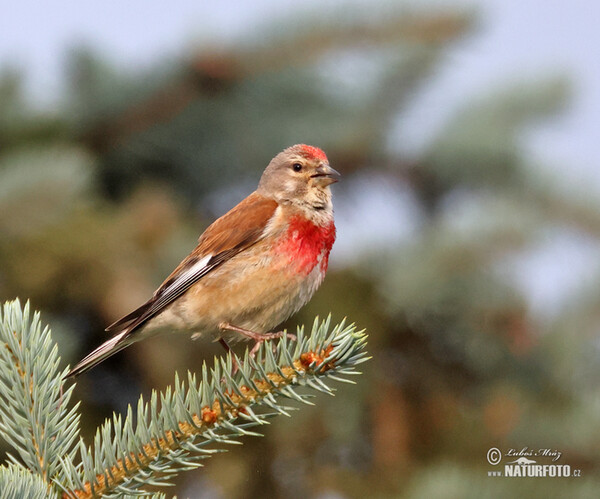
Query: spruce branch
(17, 482)
(182, 426)
(174, 431)
(34, 414)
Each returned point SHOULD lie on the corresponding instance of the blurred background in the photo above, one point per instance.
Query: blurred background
(468, 218)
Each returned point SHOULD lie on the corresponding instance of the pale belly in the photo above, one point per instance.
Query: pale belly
(258, 295)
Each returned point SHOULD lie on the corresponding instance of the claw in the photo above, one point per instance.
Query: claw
(270, 336)
(259, 338)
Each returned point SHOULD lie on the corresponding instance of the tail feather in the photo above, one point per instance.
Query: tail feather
(104, 351)
(126, 321)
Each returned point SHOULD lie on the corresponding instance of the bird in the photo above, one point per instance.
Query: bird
(252, 268)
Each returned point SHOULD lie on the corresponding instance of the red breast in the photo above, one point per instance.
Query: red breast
(305, 244)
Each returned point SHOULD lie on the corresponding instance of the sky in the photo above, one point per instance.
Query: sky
(517, 40)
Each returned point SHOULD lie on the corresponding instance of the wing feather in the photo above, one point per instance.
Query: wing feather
(234, 232)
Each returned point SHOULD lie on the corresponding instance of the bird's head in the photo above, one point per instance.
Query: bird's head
(300, 175)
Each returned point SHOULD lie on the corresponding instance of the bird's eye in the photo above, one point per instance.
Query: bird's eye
(297, 167)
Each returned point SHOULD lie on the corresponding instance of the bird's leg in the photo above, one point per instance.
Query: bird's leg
(225, 345)
(228, 350)
(253, 335)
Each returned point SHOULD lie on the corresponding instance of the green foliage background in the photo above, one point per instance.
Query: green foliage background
(102, 197)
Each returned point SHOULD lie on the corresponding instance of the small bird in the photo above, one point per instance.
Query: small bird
(252, 268)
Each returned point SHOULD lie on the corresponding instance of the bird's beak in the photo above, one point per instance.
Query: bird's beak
(325, 175)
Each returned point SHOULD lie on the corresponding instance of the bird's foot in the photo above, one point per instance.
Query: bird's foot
(259, 338)
(268, 336)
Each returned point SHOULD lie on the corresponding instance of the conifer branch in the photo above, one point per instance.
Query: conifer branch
(177, 429)
(17, 482)
(34, 414)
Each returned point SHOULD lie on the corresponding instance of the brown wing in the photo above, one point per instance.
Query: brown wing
(235, 231)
